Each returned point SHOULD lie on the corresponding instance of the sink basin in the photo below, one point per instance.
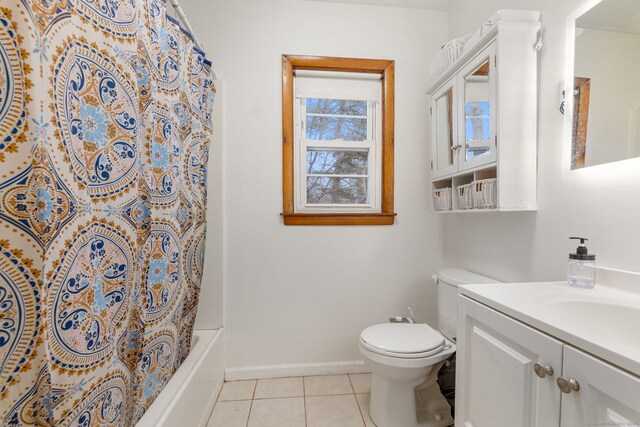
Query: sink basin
(610, 321)
(623, 316)
(601, 312)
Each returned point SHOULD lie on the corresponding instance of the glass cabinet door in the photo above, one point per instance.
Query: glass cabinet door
(443, 131)
(478, 102)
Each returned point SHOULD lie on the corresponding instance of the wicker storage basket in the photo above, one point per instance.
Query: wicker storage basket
(485, 193)
(464, 195)
(442, 199)
(449, 54)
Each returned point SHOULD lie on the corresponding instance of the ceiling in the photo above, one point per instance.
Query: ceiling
(417, 4)
(613, 15)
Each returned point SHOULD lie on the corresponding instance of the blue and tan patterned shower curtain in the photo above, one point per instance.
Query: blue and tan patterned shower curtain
(105, 117)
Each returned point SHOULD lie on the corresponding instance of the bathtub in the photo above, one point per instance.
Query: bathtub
(188, 398)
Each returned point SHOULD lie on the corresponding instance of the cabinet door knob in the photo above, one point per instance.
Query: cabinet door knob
(543, 370)
(567, 386)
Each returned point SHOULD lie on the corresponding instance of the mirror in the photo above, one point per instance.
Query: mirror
(603, 107)
(444, 129)
(477, 112)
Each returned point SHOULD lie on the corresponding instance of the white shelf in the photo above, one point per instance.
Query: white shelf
(512, 75)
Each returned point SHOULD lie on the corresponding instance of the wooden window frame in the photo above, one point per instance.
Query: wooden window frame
(386, 68)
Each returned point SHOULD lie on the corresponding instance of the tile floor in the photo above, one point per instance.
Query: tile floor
(322, 401)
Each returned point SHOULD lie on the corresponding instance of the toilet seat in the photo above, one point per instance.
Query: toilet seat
(402, 340)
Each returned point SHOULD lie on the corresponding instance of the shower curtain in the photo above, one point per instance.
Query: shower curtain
(105, 118)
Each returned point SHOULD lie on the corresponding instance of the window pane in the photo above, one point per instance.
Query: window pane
(324, 128)
(337, 162)
(343, 191)
(336, 107)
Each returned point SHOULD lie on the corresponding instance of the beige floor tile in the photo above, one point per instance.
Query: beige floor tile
(361, 383)
(363, 402)
(288, 412)
(333, 411)
(237, 390)
(279, 387)
(327, 385)
(230, 414)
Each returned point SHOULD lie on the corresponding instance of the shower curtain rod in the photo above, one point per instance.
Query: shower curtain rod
(187, 25)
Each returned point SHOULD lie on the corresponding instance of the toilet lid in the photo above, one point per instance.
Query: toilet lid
(402, 338)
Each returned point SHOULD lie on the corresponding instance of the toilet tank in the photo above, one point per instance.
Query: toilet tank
(448, 280)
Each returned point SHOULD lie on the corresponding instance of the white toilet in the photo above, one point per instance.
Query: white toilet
(405, 358)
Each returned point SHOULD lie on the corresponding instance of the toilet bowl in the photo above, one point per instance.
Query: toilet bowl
(405, 358)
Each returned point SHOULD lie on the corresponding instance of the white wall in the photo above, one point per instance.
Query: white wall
(210, 308)
(610, 59)
(303, 294)
(601, 202)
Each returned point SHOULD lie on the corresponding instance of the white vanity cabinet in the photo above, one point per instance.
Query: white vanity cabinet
(508, 375)
(483, 114)
(496, 381)
(607, 396)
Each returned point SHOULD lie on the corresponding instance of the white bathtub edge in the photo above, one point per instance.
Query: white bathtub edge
(191, 375)
(295, 370)
(164, 409)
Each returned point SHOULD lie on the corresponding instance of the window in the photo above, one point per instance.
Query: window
(337, 141)
(337, 130)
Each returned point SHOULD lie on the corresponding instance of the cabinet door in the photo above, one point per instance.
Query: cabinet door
(443, 131)
(496, 384)
(607, 395)
(477, 105)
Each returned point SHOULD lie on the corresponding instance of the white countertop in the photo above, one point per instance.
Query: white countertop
(604, 321)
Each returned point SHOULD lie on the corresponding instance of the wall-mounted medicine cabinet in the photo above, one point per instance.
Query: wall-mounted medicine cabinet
(483, 124)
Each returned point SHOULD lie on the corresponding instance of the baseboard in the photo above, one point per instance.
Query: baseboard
(295, 370)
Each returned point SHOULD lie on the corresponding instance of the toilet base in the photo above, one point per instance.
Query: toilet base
(399, 404)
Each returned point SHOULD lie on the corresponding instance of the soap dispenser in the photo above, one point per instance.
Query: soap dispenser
(581, 270)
